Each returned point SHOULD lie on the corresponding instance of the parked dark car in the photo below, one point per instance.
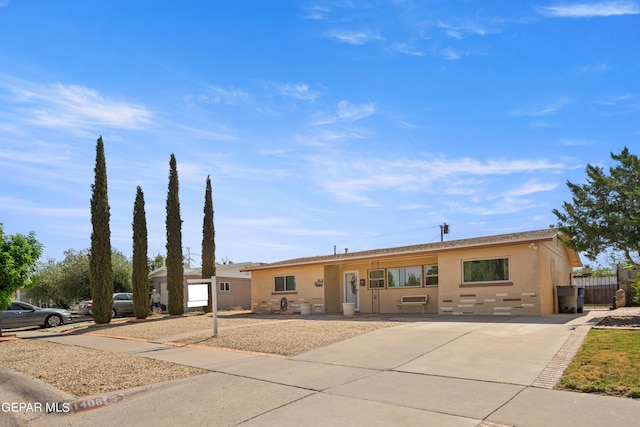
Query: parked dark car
(21, 314)
(122, 305)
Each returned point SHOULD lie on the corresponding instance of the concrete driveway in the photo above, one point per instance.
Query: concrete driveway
(441, 371)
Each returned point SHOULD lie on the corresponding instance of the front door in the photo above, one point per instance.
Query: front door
(351, 288)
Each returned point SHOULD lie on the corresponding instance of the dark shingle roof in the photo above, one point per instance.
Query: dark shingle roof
(501, 239)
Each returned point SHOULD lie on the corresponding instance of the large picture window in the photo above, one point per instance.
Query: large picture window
(285, 283)
(486, 270)
(406, 276)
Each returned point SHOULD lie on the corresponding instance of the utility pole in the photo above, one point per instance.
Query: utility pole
(444, 229)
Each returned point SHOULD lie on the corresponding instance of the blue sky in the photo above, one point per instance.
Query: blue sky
(361, 124)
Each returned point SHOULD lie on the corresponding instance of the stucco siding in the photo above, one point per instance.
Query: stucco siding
(264, 297)
(520, 295)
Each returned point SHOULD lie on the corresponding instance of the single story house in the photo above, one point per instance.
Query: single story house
(508, 274)
(233, 285)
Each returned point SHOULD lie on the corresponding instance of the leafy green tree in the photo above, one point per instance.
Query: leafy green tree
(46, 285)
(635, 284)
(19, 255)
(72, 276)
(605, 211)
(67, 282)
(208, 243)
(175, 267)
(156, 262)
(122, 270)
(100, 256)
(140, 277)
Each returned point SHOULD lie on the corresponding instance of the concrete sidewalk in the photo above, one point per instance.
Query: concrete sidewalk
(461, 371)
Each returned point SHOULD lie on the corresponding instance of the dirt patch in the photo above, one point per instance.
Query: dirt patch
(620, 322)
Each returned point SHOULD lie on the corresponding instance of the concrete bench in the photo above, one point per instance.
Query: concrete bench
(412, 300)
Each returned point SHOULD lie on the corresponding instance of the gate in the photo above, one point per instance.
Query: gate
(599, 292)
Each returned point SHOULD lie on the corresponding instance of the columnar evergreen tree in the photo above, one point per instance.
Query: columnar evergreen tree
(208, 243)
(175, 268)
(140, 276)
(100, 256)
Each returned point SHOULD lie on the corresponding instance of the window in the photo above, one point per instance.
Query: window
(16, 305)
(431, 275)
(224, 286)
(408, 276)
(376, 279)
(285, 283)
(486, 270)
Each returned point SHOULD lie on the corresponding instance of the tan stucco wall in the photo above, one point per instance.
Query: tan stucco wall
(555, 271)
(265, 299)
(520, 296)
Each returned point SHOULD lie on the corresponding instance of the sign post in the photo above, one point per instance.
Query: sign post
(198, 296)
(214, 305)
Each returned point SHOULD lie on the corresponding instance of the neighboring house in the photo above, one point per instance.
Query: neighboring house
(233, 285)
(510, 274)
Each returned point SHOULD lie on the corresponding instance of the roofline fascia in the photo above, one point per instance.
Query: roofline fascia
(348, 259)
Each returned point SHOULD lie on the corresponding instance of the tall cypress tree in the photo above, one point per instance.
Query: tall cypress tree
(208, 243)
(100, 258)
(140, 275)
(175, 268)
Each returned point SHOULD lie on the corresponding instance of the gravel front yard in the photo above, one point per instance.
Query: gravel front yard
(84, 372)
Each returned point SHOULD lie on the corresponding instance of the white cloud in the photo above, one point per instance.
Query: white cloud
(590, 10)
(541, 109)
(616, 100)
(530, 187)
(459, 31)
(407, 49)
(353, 180)
(259, 222)
(26, 207)
(349, 112)
(620, 104)
(354, 37)
(72, 106)
(222, 134)
(346, 112)
(36, 152)
(576, 142)
(316, 12)
(219, 95)
(450, 54)
(298, 91)
(598, 68)
(280, 225)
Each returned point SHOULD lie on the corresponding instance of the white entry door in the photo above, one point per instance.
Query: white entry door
(352, 288)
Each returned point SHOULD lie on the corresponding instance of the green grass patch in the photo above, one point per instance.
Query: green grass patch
(608, 363)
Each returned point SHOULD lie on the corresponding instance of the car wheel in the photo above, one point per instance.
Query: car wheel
(53, 321)
(113, 313)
